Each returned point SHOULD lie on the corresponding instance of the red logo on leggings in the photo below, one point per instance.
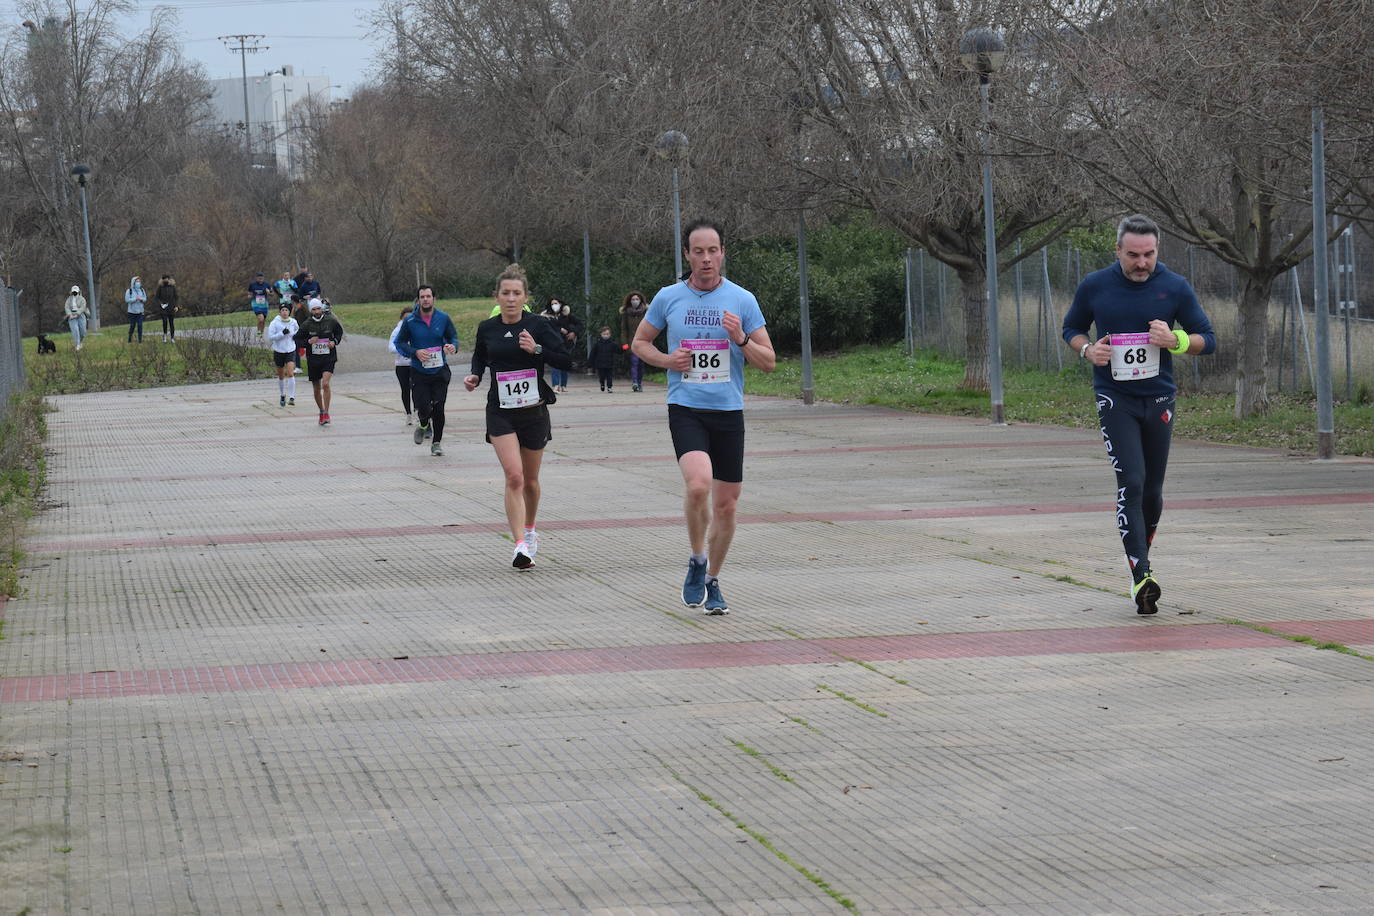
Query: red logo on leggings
(1167, 415)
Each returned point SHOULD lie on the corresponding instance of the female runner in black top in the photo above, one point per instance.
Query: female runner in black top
(515, 345)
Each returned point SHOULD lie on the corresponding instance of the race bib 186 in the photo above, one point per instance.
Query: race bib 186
(1134, 358)
(710, 361)
(517, 388)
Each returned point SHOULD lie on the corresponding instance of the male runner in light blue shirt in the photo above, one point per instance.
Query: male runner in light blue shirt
(714, 328)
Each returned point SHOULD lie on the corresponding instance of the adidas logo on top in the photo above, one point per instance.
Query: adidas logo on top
(508, 334)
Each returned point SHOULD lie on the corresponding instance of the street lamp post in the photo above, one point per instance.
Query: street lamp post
(79, 172)
(1326, 420)
(672, 146)
(984, 51)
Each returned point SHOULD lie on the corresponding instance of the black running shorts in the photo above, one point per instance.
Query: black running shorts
(281, 359)
(318, 364)
(530, 424)
(718, 433)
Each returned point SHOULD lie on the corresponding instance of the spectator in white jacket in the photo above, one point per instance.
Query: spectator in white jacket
(77, 313)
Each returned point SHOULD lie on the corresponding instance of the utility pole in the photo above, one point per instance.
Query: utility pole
(244, 49)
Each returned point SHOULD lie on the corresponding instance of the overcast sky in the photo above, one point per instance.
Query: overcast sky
(328, 37)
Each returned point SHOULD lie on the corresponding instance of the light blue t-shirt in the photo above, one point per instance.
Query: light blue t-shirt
(691, 315)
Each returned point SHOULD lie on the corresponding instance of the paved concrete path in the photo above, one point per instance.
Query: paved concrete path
(262, 666)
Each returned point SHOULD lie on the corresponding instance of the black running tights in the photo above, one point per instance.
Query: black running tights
(1137, 432)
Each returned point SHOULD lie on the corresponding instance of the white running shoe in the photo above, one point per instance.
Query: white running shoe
(521, 559)
(531, 543)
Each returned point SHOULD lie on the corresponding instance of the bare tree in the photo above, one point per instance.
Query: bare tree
(891, 118)
(72, 89)
(1199, 113)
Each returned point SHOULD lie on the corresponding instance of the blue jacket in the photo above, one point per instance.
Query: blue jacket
(414, 335)
(134, 297)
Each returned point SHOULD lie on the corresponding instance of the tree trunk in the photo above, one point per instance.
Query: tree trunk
(1252, 350)
(971, 281)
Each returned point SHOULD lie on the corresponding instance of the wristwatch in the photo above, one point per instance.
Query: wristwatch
(538, 349)
(1083, 353)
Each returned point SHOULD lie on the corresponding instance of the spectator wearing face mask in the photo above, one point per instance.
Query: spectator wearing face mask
(631, 313)
(570, 329)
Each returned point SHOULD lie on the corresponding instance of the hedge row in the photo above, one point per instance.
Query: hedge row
(855, 280)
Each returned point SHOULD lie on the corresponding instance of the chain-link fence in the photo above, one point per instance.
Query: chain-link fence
(11, 348)
(1034, 294)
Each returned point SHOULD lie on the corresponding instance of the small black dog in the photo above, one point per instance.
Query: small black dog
(45, 345)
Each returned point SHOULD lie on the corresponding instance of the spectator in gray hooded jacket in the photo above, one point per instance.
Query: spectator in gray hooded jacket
(135, 298)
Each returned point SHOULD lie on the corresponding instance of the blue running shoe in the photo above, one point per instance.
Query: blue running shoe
(694, 586)
(715, 602)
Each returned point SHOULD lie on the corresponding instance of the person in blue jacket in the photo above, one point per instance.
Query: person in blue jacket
(135, 299)
(307, 287)
(428, 337)
(1134, 305)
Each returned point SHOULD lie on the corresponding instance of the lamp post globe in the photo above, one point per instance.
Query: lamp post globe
(982, 51)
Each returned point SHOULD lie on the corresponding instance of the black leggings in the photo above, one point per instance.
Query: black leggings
(169, 322)
(606, 376)
(431, 390)
(1137, 432)
(135, 321)
(403, 376)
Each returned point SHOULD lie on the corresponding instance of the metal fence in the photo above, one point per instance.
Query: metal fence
(11, 348)
(1034, 294)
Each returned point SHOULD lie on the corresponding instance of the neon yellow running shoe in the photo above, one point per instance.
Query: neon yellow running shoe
(1146, 593)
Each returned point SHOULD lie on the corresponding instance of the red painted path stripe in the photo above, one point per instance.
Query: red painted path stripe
(869, 515)
(680, 657)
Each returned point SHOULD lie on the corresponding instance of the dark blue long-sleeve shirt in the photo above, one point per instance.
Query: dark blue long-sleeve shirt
(1118, 305)
(417, 334)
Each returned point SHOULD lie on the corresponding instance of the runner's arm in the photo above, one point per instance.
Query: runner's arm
(401, 342)
(555, 349)
(479, 355)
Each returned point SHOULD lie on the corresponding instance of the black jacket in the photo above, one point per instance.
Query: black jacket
(166, 296)
(603, 353)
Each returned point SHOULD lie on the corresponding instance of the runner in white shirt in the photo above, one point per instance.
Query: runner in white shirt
(281, 336)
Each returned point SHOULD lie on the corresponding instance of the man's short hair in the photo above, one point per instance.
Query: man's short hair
(421, 288)
(1137, 224)
(696, 224)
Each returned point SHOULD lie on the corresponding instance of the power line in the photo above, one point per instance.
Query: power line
(244, 49)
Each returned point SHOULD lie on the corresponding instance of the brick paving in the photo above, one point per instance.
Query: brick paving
(260, 666)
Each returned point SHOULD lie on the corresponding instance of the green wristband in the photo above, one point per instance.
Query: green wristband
(1183, 342)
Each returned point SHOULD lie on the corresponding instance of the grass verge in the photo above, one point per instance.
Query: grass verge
(21, 480)
(885, 376)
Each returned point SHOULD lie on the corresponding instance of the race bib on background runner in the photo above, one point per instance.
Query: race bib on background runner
(710, 361)
(319, 347)
(1134, 358)
(259, 300)
(517, 388)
